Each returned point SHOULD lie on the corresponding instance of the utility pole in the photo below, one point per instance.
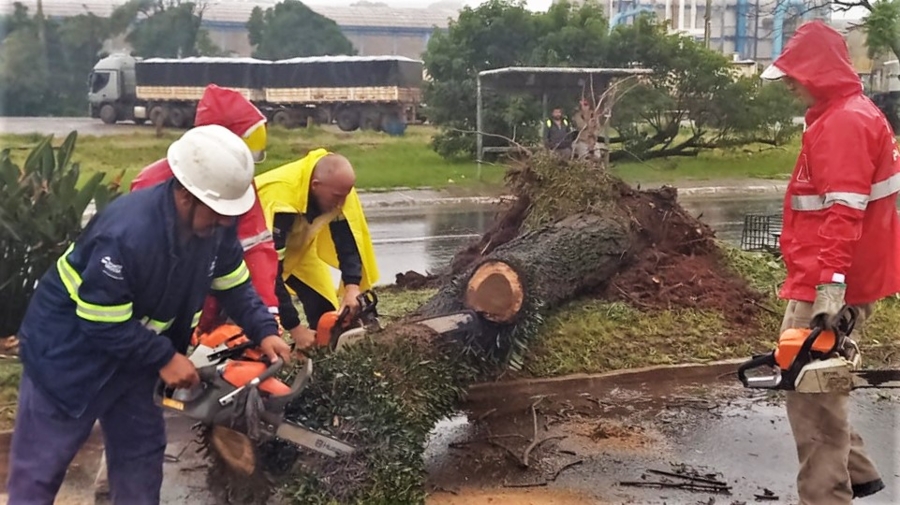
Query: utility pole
(707, 25)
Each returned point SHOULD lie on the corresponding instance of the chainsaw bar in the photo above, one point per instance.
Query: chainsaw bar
(305, 437)
(884, 378)
(450, 323)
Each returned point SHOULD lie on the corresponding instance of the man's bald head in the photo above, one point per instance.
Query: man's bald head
(332, 180)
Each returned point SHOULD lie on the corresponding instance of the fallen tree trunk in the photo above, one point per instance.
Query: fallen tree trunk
(513, 285)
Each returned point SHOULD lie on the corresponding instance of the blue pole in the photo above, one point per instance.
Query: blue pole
(740, 35)
(778, 27)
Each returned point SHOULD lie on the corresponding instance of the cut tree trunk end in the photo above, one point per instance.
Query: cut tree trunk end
(495, 292)
(235, 449)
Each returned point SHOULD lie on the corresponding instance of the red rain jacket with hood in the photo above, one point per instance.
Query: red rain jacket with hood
(840, 213)
(228, 108)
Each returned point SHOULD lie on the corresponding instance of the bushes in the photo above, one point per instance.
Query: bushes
(41, 208)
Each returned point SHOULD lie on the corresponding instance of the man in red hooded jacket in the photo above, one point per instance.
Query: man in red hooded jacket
(840, 241)
(228, 108)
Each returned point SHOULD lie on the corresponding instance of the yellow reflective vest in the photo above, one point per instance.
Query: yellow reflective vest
(310, 249)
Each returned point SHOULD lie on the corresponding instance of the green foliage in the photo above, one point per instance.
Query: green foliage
(41, 208)
(291, 29)
(882, 27)
(498, 33)
(165, 28)
(385, 398)
(690, 83)
(44, 62)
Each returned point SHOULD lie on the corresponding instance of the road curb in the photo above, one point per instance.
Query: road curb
(762, 189)
(690, 192)
(702, 368)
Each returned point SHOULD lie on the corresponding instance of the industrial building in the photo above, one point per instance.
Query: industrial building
(749, 29)
(373, 29)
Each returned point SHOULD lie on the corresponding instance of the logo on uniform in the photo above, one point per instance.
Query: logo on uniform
(111, 269)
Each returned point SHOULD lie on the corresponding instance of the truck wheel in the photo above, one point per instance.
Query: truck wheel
(347, 120)
(283, 119)
(189, 114)
(157, 115)
(108, 114)
(176, 117)
(371, 120)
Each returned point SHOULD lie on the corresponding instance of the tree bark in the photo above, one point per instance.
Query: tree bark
(533, 273)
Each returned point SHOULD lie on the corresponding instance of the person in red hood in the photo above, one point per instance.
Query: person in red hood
(840, 241)
(228, 108)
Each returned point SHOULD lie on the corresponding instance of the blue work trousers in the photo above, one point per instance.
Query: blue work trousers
(46, 440)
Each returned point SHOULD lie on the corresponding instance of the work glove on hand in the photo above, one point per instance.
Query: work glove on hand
(828, 304)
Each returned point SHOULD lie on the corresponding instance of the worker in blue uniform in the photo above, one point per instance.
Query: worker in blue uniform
(115, 314)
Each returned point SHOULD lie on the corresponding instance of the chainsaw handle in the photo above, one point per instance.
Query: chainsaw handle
(208, 373)
(273, 368)
(368, 300)
(754, 362)
(277, 403)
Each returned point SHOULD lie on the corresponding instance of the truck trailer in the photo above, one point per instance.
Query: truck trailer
(369, 92)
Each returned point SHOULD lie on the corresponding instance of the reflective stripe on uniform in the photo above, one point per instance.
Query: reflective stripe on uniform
(71, 279)
(259, 238)
(858, 201)
(155, 325)
(280, 253)
(237, 277)
(196, 320)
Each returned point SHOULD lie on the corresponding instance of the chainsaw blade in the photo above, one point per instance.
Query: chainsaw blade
(885, 378)
(450, 323)
(304, 437)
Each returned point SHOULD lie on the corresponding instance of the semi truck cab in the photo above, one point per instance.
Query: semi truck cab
(111, 89)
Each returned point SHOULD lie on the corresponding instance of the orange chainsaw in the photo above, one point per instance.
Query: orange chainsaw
(240, 396)
(340, 330)
(816, 360)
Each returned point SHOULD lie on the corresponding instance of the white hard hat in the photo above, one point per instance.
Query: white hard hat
(216, 166)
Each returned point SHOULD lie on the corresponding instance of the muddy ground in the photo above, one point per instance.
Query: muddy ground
(615, 429)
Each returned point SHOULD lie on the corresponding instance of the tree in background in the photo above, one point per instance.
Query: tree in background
(164, 28)
(693, 100)
(44, 63)
(291, 29)
(691, 85)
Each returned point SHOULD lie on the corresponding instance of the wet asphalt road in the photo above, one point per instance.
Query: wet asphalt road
(61, 126)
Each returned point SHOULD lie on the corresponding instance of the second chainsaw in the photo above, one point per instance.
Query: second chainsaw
(816, 360)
